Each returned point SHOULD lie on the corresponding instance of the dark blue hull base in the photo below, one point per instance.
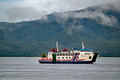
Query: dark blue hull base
(66, 62)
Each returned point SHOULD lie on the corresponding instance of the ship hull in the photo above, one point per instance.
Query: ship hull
(66, 62)
(70, 62)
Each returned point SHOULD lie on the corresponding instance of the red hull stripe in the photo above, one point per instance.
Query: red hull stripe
(60, 59)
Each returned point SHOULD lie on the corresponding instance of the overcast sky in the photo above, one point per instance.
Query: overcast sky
(22, 10)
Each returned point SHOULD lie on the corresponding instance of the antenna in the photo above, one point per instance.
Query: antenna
(57, 45)
(83, 46)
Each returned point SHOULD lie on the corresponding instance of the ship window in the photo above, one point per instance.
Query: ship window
(66, 57)
(78, 57)
(57, 54)
(69, 57)
(66, 54)
(60, 54)
(58, 57)
(62, 57)
(87, 53)
(89, 57)
(63, 54)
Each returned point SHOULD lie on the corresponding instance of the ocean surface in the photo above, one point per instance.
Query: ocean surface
(28, 68)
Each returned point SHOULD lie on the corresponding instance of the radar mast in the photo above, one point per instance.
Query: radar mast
(83, 46)
(57, 45)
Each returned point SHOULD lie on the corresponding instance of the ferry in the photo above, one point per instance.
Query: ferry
(75, 56)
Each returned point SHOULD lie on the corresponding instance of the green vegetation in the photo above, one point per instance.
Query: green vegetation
(34, 38)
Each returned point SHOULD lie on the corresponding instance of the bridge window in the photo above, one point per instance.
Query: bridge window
(87, 53)
(62, 57)
(58, 57)
(66, 57)
(89, 57)
(69, 57)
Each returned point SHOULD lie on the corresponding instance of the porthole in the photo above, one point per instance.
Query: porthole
(66, 57)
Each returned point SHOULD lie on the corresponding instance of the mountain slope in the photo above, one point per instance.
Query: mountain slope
(97, 26)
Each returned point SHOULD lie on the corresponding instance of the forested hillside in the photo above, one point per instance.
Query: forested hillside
(98, 27)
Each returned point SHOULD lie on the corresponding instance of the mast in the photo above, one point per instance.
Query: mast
(57, 45)
(83, 46)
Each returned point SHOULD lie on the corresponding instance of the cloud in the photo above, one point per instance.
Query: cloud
(73, 28)
(22, 13)
(97, 13)
(42, 7)
(99, 16)
(11, 0)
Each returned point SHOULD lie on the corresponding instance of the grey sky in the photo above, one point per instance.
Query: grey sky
(23, 10)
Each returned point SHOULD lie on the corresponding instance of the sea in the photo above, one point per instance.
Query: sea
(28, 68)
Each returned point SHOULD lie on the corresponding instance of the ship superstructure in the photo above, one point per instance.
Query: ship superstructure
(75, 56)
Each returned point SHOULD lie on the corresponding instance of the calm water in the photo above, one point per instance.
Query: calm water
(17, 68)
